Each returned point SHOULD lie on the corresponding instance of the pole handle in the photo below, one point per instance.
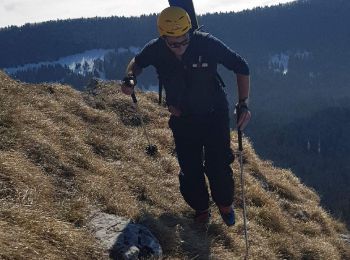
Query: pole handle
(239, 131)
(240, 143)
(133, 96)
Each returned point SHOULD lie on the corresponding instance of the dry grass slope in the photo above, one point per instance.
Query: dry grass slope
(64, 153)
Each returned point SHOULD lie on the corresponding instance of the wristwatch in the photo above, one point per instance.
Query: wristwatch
(243, 101)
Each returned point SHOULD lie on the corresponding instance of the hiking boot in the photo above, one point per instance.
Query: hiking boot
(227, 215)
(202, 216)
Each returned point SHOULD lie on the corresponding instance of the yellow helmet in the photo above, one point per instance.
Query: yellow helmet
(173, 21)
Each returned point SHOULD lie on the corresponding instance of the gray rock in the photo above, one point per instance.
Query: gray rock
(132, 253)
(123, 239)
(345, 237)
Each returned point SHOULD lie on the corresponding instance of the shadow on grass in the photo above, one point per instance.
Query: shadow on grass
(180, 237)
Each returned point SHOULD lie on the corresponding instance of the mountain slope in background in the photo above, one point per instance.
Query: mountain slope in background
(64, 153)
(298, 27)
(319, 26)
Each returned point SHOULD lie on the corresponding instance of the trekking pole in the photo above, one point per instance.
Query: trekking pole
(240, 151)
(151, 149)
(240, 154)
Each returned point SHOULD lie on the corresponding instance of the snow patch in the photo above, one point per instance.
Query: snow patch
(122, 50)
(302, 54)
(80, 63)
(134, 50)
(71, 61)
(279, 62)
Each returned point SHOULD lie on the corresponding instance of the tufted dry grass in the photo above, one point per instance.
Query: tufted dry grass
(64, 153)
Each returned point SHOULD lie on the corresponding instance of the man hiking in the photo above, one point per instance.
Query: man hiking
(186, 63)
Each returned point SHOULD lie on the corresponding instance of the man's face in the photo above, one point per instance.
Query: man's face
(179, 44)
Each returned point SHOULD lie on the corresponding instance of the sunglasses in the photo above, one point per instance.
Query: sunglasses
(175, 45)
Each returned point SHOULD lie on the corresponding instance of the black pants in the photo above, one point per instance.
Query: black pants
(203, 147)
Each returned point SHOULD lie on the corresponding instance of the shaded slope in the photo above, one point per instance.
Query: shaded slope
(317, 147)
(64, 153)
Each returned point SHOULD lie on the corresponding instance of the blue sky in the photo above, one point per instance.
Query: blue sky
(19, 12)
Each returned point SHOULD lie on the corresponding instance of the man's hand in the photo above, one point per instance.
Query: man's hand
(128, 84)
(243, 115)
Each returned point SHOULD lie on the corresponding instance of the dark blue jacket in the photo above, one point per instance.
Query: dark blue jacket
(192, 84)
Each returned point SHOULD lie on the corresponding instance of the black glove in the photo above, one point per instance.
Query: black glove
(129, 81)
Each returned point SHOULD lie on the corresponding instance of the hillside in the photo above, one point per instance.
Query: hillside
(64, 153)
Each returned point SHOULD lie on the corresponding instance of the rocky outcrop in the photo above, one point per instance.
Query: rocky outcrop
(124, 239)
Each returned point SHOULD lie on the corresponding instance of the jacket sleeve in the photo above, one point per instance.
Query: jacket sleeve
(227, 57)
(147, 56)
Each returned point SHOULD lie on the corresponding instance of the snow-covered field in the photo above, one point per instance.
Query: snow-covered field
(87, 57)
(279, 62)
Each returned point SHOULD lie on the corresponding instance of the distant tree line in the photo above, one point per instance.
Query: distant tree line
(314, 25)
